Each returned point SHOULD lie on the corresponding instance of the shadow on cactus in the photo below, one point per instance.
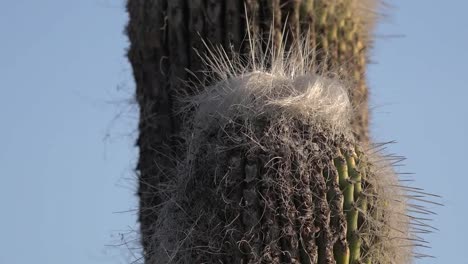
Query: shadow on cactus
(273, 174)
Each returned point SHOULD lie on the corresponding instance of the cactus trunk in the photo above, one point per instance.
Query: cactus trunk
(257, 190)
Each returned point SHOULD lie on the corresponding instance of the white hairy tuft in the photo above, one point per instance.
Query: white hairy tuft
(308, 97)
(273, 83)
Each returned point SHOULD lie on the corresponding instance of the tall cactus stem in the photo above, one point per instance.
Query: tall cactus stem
(259, 160)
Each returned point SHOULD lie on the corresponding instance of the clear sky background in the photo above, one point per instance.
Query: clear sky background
(68, 124)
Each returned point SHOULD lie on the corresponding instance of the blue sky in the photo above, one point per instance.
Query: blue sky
(69, 126)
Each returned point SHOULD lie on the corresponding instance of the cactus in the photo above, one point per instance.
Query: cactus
(266, 159)
(274, 174)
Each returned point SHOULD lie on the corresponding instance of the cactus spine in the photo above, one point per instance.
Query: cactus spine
(282, 186)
